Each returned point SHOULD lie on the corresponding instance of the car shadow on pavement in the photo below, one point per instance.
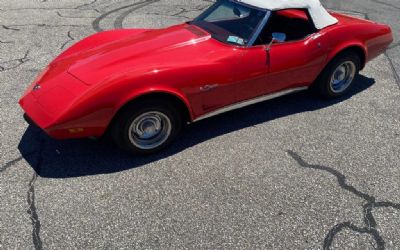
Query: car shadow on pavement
(75, 158)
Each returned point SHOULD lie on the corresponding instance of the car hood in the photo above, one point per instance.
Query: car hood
(148, 50)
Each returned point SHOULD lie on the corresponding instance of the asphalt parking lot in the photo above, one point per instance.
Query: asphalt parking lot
(292, 173)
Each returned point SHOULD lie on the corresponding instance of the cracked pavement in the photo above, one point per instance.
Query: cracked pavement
(291, 173)
(369, 220)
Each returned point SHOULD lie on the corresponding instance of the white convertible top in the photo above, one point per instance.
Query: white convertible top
(318, 13)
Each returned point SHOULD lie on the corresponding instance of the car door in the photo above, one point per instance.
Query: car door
(268, 68)
(295, 64)
(252, 75)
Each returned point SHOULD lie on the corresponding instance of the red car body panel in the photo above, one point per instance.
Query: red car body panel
(83, 89)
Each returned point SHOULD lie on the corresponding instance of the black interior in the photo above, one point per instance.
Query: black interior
(295, 28)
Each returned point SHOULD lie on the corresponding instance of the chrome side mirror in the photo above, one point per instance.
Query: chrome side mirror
(276, 38)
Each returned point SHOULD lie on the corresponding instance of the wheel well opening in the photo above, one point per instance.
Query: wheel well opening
(359, 51)
(174, 100)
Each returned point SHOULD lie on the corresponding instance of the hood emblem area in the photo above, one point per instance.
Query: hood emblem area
(36, 87)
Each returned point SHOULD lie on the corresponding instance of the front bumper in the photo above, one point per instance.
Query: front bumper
(32, 123)
(67, 132)
(46, 107)
(87, 126)
(56, 107)
(34, 112)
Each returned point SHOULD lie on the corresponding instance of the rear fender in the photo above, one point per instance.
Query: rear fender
(348, 45)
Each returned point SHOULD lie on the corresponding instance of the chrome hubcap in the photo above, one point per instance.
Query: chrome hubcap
(343, 76)
(150, 130)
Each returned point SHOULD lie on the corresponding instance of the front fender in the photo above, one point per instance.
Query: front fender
(154, 90)
(108, 97)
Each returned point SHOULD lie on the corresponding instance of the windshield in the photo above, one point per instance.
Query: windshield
(231, 22)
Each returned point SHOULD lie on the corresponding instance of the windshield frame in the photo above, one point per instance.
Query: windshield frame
(253, 36)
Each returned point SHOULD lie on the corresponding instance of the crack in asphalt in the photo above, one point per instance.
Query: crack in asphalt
(63, 16)
(31, 198)
(9, 28)
(86, 4)
(13, 162)
(6, 42)
(96, 22)
(70, 38)
(180, 12)
(32, 211)
(19, 62)
(371, 204)
(10, 164)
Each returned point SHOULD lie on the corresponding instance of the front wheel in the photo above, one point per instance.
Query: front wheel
(338, 76)
(146, 127)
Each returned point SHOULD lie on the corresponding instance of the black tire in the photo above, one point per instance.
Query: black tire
(122, 127)
(324, 86)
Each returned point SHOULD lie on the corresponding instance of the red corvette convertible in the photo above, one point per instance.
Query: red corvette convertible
(143, 85)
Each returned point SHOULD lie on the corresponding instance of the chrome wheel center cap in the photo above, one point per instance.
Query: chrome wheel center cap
(340, 74)
(342, 77)
(150, 130)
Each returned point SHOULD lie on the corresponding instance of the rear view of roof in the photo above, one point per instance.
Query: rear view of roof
(319, 14)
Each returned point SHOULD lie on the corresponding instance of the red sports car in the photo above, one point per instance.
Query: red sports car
(143, 85)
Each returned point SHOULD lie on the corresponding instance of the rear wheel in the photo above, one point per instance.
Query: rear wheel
(338, 76)
(146, 127)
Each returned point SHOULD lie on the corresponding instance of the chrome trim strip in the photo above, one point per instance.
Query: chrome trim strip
(249, 102)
